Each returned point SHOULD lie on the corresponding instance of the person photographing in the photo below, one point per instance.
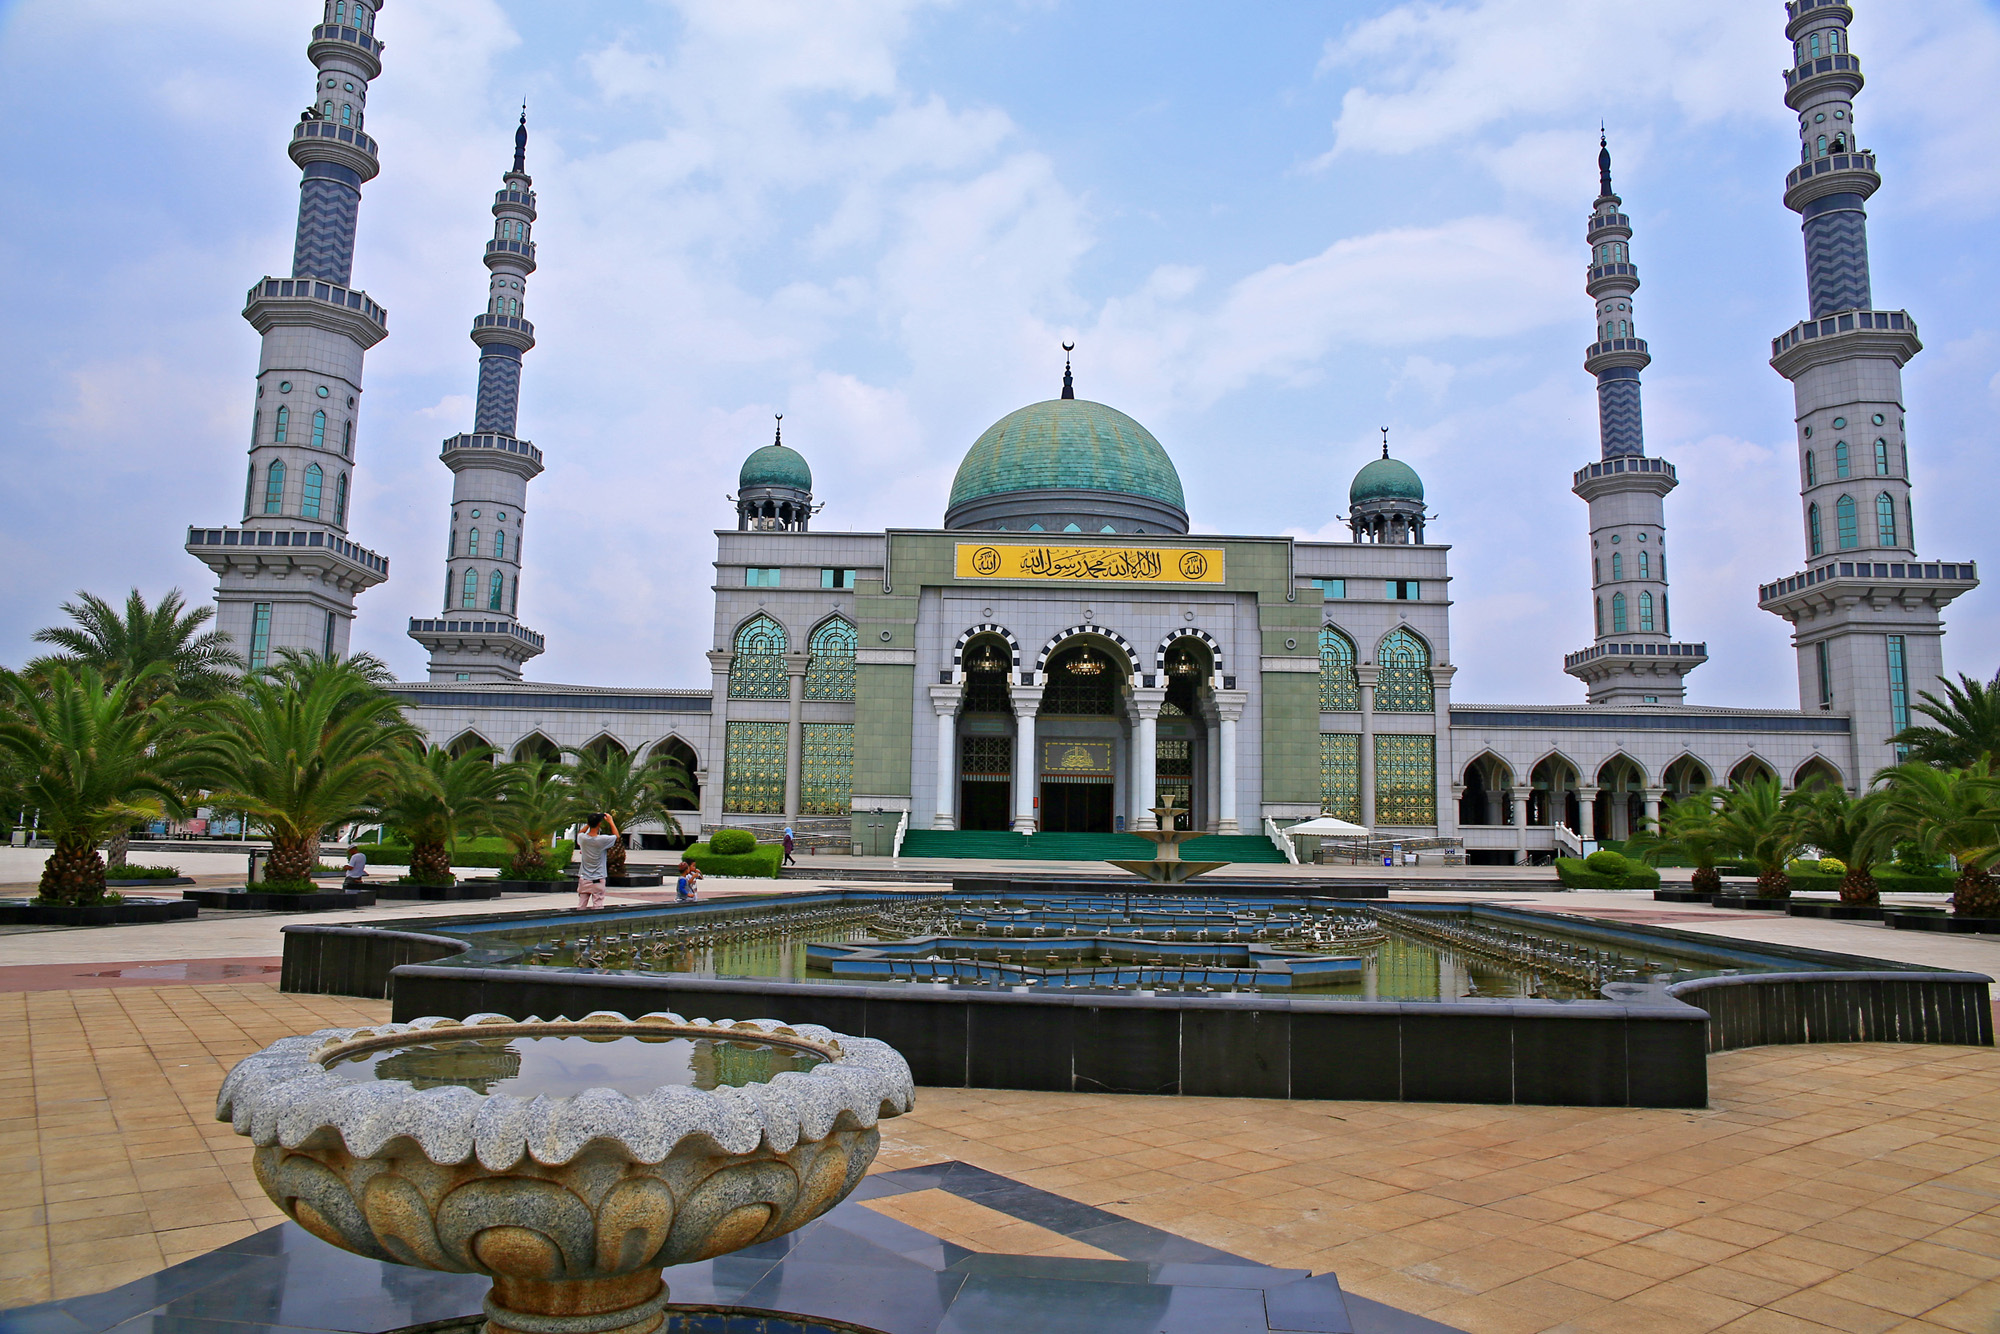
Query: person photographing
(593, 848)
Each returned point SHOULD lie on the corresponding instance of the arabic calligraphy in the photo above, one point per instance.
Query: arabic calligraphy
(1145, 565)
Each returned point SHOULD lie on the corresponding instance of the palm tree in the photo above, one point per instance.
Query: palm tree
(609, 780)
(1956, 812)
(536, 802)
(309, 744)
(1968, 727)
(1859, 831)
(438, 797)
(1688, 831)
(1756, 825)
(89, 761)
(199, 663)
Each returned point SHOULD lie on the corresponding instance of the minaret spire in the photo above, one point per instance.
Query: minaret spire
(477, 636)
(1633, 659)
(317, 329)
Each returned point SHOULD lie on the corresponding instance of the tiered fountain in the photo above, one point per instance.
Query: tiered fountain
(1166, 867)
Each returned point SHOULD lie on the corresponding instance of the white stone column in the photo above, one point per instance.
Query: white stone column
(1367, 674)
(1441, 753)
(1520, 799)
(795, 728)
(1146, 702)
(1026, 700)
(945, 700)
(713, 790)
(1653, 795)
(1229, 706)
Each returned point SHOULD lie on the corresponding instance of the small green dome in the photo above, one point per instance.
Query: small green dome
(1386, 479)
(776, 465)
(1067, 444)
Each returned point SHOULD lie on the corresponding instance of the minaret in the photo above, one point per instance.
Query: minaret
(1634, 659)
(1864, 610)
(476, 637)
(288, 574)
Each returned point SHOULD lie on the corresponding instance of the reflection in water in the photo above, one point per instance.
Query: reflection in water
(564, 1065)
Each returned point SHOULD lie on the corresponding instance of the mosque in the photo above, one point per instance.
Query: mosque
(1060, 653)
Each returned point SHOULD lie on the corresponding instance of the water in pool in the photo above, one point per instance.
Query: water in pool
(565, 1065)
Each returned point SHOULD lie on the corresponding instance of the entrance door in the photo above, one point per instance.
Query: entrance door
(985, 788)
(1076, 808)
(984, 805)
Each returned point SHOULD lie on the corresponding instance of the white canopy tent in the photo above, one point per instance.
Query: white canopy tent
(1326, 826)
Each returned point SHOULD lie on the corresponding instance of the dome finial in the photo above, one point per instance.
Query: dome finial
(1069, 384)
(1385, 442)
(521, 142)
(779, 437)
(1603, 161)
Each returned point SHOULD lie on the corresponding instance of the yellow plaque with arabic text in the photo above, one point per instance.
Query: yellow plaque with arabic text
(1111, 565)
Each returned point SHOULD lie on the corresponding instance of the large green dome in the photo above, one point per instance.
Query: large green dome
(1067, 444)
(1386, 479)
(776, 465)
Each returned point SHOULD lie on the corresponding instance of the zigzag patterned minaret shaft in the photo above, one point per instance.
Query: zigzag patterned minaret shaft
(1634, 659)
(288, 574)
(1865, 609)
(477, 637)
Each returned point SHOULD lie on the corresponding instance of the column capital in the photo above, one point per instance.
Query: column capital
(1027, 700)
(796, 664)
(720, 659)
(1229, 704)
(1367, 675)
(945, 699)
(1146, 701)
(1441, 674)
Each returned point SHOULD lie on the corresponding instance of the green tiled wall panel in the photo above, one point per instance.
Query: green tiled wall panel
(1291, 736)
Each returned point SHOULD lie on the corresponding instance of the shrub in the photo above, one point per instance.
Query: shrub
(284, 887)
(731, 842)
(763, 860)
(1606, 862)
(124, 872)
(1577, 874)
(1911, 859)
(1832, 866)
(489, 853)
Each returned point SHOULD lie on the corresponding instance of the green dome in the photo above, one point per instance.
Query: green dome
(776, 465)
(1386, 479)
(1067, 444)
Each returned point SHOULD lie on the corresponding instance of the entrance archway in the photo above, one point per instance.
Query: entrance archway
(1079, 736)
(986, 735)
(1552, 795)
(1621, 799)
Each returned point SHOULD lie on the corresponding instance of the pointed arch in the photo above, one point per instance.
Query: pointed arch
(1486, 797)
(1818, 769)
(309, 494)
(1554, 781)
(1188, 632)
(467, 742)
(1339, 687)
(758, 669)
(958, 650)
(1750, 769)
(604, 744)
(536, 746)
(1061, 637)
(677, 748)
(830, 670)
(1847, 521)
(1619, 767)
(274, 487)
(1685, 776)
(1403, 681)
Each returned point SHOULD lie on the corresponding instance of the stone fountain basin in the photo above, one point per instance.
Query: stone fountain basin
(1167, 871)
(556, 1196)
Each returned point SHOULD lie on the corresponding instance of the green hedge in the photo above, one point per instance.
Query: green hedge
(1886, 882)
(763, 860)
(732, 842)
(1575, 875)
(123, 872)
(494, 853)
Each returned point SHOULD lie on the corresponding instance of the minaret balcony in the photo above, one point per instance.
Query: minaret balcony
(430, 633)
(490, 449)
(318, 305)
(1602, 661)
(1836, 582)
(512, 254)
(337, 560)
(1834, 174)
(1608, 225)
(1615, 279)
(1612, 352)
(513, 202)
(1857, 333)
(1825, 74)
(509, 329)
(1634, 472)
(324, 141)
(1815, 9)
(333, 42)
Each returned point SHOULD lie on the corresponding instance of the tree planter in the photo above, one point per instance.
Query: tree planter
(1683, 896)
(1751, 904)
(465, 889)
(240, 900)
(528, 886)
(1934, 920)
(1839, 912)
(22, 913)
(156, 882)
(636, 881)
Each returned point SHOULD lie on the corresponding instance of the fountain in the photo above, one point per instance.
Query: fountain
(1165, 866)
(567, 1160)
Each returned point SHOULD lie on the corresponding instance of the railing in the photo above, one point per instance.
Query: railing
(1794, 8)
(525, 249)
(1631, 463)
(509, 443)
(1279, 841)
(1597, 651)
(326, 129)
(1915, 570)
(328, 32)
(525, 198)
(902, 831)
(1569, 843)
(1596, 271)
(267, 537)
(1372, 849)
(1823, 65)
(443, 627)
(311, 289)
(1831, 162)
(503, 322)
(1616, 345)
(1601, 221)
(1898, 321)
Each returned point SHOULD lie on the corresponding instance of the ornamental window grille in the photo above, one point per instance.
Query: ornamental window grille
(986, 692)
(319, 428)
(469, 592)
(340, 500)
(1173, 776)
(496, 589)
(1848, 522)
(1339, 688)
(274, 488)
(315, 482)
(1405, 780)
(1082, 682)
(1813, 533)
(826, 769)
(759, 669)
(1645, 611)
(284, 421)
(1885, 520)
(1617, 613)
(986, 759)
(753, 768)
(830, 674)
(1340, 775)
(1188, 669)
(1840, 461)
(1404, 683)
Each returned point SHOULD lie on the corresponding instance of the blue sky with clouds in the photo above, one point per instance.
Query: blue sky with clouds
(1271, 228)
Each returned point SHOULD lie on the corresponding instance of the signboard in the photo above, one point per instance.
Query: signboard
(1092, 758)
(1118, 565)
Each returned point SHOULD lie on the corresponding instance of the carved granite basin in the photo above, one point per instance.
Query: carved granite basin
(567, 1160)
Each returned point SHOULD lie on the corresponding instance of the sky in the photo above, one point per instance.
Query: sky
(1270, 228)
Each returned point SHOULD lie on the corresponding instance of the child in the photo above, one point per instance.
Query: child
(684, 887)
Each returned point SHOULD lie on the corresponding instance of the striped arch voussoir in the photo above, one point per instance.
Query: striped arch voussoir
(1214, 649)
(958, 650)
(1042, 659)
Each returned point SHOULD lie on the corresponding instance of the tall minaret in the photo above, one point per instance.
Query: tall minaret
(288, 574)
(1864, 611)
(476, 637)
(1634, 659)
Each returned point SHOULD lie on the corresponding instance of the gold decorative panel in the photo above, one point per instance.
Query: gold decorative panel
(826, 772)
(754, 769)
(1340, 775)
(1406, 780)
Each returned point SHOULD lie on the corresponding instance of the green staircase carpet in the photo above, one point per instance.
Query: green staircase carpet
(1005, 845)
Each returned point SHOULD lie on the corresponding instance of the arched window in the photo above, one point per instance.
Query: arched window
(1885, 521)
(340, 11)
(514, 599)
(1840, 458)
(1339, 689)
(347, 438)
(326, 112)
(469, 596)
(830, 674)
(1666, 627)
(496, 588)
(1849, 525)
(1813, 535)
(1617, 613)
(758, 671)
(1821, 147)
(1881, 458)
(309, 497)
(1600, 616)
(499, 544)
(1617, 565)
(472, 544)
(319, 428)
(1910, 532)
(346, 113)
(249, 489)
(1645, 611)
(1404, 683)
(274, 488)
(1812, 469)
(1645, 566)
(1833, 42)
(284, 420)
(340, 500)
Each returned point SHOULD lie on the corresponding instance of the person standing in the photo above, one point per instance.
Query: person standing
(790, 843)
(593, 847)
(357, 869)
